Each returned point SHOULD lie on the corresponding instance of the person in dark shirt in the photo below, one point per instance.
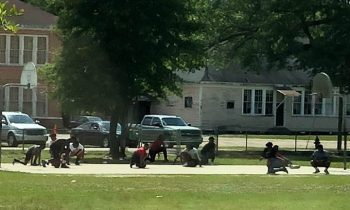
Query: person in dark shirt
(208, 152)
(266, 154)
(33, 155)
(277, 162)
(59, 150)
(320, 158)
(157, 147)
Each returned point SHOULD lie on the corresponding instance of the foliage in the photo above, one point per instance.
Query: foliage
(51, 6)
(172, 192)
(284, 34)
(6, 13)
(105, 65)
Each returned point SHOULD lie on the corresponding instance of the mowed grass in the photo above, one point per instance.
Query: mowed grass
(33, 191)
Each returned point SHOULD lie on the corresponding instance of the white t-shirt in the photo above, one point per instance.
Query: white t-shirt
(75, 148)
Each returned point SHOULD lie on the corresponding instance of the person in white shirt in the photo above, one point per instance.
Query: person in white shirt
(190, 157)
(76, 149)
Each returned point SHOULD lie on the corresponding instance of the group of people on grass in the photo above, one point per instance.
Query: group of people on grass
(190, 156)
(277, 162)
(60, 150)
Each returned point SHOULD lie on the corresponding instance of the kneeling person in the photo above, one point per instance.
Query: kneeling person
(320, 158)
(139, 157)
(190, 157)
(76, 149)
(33, 155)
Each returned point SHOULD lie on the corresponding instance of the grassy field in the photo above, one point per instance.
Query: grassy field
(32, 191)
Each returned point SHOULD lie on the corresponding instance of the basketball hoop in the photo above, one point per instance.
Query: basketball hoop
(322, 85)
(29, 77)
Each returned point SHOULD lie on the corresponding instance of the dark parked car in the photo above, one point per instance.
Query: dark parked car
(94, 133)
(78, 120)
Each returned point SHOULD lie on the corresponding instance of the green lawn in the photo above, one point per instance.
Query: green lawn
(32, 191)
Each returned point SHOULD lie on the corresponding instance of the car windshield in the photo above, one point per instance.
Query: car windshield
(20, 119)
(174, 121)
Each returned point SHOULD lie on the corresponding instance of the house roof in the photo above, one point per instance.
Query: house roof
(33, 17)
(234, 74)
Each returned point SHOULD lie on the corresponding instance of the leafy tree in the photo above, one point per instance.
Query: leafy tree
(115, 51)
(295, 34)
(51, 6)
(6, 12)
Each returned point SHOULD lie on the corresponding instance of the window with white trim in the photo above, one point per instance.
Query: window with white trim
(258, 102)
(21, 49)
(308, 104)
(188, 102)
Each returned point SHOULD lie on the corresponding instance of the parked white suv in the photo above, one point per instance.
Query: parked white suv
(18, 127)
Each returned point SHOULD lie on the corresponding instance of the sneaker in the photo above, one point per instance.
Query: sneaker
(326, 171)
(317, 171)
(77, 162)
(131, 164)
(285, 169)
(43, 163)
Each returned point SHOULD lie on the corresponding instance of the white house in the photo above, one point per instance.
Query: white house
(236, 100)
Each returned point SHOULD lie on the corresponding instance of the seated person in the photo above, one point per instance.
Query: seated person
(190, 157)
(320, 158)
(139, 157)
(276, 161)
(33, 155)
(156, 147)
(208, 151)
(76, 149)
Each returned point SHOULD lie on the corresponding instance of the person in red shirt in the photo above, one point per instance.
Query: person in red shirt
(139, 157)
(156, 147)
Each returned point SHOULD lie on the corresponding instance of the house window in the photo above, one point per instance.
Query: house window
(269, 102)
(247, 101)
(318, 105)
(230, 105)
(188, 102)
(304, 105)
(258, 102)
(307, 103)
(2, 49)
(14, 50)
(28, 49)
(42, 50)
(297, 104)
(22, 49)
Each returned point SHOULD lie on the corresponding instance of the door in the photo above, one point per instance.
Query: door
(280, 114)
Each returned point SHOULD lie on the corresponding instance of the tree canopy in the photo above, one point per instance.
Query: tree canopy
(6, 12)
(115, 51)
(308, 35)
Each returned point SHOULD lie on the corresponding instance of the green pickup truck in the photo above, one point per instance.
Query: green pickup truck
(175, 130)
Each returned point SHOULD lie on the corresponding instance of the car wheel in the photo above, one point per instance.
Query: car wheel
(105, 142)
(11, 140)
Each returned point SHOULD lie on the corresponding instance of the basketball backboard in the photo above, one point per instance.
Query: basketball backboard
(322, 85)
(29, 76)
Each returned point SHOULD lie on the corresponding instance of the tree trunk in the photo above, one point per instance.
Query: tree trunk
(114, 143)
(340, 123)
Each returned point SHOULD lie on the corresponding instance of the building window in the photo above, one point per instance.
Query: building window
(28, 49)
(14, 50)
(247, 101)
(304, 105)
(258, 98)
(2, 49)
(22, 49)
(258, 102)
(318, 105)
(269, 102)
(188, 102)
(307, 103)
(230, 105)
